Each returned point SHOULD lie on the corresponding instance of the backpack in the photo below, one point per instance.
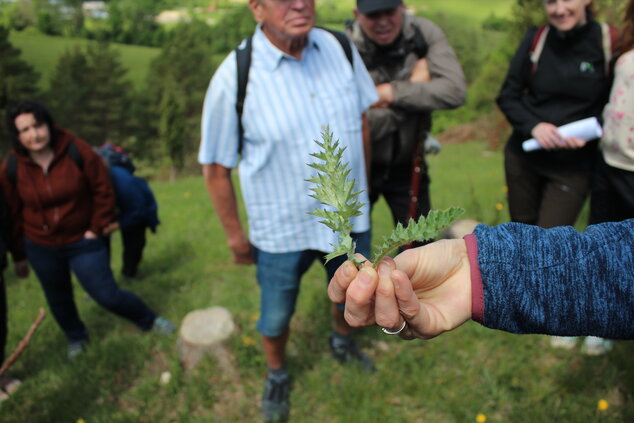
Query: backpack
(243, 61)
(116, 156)
(610, 36)
(12, 162)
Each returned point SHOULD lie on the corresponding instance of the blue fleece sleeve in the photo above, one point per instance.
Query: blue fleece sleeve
(558, 281)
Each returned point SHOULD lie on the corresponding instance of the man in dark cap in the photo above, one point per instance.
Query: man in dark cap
(415, 71)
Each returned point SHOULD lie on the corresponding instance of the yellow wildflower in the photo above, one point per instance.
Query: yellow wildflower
(499, 206)
(187, 194)
(80, 421)
(602, 405)
(247, 341)
(481, 418)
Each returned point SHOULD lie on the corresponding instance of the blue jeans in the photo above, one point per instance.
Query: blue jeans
(89, 261)
(279, 276)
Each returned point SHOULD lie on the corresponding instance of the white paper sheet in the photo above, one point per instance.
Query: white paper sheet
(585, 129)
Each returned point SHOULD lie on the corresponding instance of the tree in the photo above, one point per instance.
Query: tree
(179, 77)
(90, 95)
(132, 22)
(17, 78)
(173, 126)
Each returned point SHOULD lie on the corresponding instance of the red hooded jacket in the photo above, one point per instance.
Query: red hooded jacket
(57, 207)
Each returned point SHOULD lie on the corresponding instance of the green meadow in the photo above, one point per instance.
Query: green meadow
(450, 379)
(43, 51)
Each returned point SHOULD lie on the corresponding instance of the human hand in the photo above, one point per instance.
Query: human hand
(549, 137)
(386, 95)
(420, 73)
(241, 250)
(21, 269)
(428, 287)
(90, 235)
(110, 228)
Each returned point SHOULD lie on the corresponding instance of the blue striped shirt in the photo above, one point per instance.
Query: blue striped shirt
(287, 105)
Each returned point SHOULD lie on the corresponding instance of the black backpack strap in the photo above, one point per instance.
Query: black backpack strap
(344, 41)
(12, 162)
(420, 46)
(243, 62)
(74, 154)
(12, 168)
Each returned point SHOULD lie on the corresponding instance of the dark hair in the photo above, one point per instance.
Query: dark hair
(627, 30)
(39, 112)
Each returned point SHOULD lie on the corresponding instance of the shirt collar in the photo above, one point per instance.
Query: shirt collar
(272, 56)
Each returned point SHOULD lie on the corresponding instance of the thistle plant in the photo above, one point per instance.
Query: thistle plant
(333, 189)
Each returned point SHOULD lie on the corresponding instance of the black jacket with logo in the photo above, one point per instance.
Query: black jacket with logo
(569, 84)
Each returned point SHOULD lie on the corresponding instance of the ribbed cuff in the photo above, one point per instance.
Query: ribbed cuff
(477, 290)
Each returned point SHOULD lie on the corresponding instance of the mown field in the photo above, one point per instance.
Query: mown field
(451, 379)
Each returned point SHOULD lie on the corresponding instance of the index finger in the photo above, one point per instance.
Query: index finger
(340, 282)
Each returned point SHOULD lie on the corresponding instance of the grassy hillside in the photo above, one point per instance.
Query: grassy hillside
(187, 266)
(43, 51)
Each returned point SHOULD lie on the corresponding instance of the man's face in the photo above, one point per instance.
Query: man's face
(284, 19)
(383, 26)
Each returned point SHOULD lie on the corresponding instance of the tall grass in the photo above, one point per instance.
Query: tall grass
(473, 370)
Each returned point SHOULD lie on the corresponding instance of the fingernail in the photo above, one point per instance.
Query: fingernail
(346, 271)
(383, 269)
(364, 277)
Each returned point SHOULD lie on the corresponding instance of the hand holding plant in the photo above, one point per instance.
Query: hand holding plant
(332, 188)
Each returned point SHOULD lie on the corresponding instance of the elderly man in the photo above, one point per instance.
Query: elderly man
(415, 71)
(300, 80)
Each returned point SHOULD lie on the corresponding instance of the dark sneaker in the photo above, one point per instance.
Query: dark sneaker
(163, 326)
(75, 349)
(275, 402)
(346, 352)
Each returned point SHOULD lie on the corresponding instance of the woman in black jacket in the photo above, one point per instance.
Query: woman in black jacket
(558, 75)
(569, 81)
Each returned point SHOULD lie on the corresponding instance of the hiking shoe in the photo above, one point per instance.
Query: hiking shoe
(163, 326)
(346, 351)
(563, 342)
(275, 402)
(75, 349)
(593, 345)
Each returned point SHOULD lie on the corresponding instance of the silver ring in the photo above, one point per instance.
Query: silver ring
(394, 332)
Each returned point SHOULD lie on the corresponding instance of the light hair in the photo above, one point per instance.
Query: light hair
(627, 29)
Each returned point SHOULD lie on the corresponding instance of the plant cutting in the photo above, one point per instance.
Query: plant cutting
(333, 188)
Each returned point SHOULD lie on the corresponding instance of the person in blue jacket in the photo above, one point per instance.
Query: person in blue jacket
(513, 277)
(137, 209)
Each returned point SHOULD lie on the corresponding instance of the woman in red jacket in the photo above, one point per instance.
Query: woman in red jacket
(62, 203)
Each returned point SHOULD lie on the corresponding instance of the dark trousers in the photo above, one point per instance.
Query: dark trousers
(544, 197)
(4, 327)
(394, 183)
(133, 239)
(612, 198)
(89, 260)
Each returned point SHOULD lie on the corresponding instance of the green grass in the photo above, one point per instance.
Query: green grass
(471, 11)
(450, 379)
(42, 52)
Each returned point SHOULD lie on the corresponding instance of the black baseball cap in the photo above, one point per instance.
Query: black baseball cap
(371, 6)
